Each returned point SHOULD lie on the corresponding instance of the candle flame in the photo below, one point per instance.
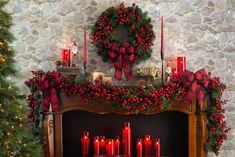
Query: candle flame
(139, 143)
(110, 142)
(85, 137)
(157, 143)
(96, 140)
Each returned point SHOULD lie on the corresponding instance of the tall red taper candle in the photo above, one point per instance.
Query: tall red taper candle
(147, 146)
(66, 56)
(96, 145)
(157, 147)
(127, 139)
(117, 146)
(162, 39)
(139, 147)
(85, 51)
(85, 144)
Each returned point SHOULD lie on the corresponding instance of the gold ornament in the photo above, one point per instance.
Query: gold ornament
(99, 76)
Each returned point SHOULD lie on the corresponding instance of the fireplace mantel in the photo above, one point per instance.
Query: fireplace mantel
(52, 123)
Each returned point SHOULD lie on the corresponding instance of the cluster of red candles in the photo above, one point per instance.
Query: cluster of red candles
(110, 147)
(144, 147)
(181, 60)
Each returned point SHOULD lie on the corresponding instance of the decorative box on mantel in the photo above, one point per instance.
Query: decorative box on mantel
(53, 123)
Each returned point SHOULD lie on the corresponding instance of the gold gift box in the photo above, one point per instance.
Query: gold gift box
(99, 76)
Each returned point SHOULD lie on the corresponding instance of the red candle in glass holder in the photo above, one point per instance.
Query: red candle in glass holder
(109, 147)
(127, 139)
(96, 144)
(66, 56)
(157, 147)
(173, 72)
(139, 148)
(85, 144)
(117, 146)
(147, 146)
(102, 145)
(181, 64)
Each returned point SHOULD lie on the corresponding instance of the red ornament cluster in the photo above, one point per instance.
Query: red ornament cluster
(44, 88)
(104, 36)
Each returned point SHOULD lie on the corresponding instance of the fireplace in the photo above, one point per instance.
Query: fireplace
(181, 128)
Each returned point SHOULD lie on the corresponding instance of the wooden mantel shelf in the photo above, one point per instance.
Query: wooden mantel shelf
(52, 123)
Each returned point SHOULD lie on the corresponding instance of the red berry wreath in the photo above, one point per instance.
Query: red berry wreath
(130, 49)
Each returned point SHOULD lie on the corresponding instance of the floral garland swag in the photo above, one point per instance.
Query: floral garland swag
(45, 86)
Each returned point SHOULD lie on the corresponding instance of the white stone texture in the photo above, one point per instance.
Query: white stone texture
(203, 30)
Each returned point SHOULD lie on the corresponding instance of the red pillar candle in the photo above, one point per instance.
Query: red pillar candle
(117, 146)
(66, 56)
(85, 144)
(96, 145)
(109, 147)
(102, 145)
(181, 64)
(127, 139)
(173, 72)
(162, 39)
(139, 147)
(157, 147)
(147, 146)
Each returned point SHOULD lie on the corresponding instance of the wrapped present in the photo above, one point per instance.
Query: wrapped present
(99, 76)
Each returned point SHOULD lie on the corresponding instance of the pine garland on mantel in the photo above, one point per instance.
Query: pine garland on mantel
(45, 86)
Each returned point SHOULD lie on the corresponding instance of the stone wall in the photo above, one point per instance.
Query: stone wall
(203, 30)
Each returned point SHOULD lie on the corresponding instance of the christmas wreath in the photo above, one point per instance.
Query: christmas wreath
(123, 36)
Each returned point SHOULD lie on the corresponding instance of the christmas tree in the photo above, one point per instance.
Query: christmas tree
(16, 137)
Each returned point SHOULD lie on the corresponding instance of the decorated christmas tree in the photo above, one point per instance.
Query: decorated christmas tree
(16, 137)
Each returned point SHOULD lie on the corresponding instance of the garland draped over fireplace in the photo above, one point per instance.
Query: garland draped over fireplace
(45, 87)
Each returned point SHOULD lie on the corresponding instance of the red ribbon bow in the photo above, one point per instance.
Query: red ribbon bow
(48, 85)
(195, 84)
(123, 59)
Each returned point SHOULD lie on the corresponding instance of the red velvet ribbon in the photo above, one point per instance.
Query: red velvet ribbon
(195, 83)
(48, 85)
(123, 59)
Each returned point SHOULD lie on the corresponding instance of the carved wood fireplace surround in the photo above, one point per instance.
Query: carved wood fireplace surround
(52, 128)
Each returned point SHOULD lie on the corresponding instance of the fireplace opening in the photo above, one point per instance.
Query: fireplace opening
(171, 127)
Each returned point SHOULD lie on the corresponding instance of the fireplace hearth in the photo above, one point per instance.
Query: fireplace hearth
(181, 128)
(171, 127)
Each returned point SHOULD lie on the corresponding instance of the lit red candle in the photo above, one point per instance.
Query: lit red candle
(66, 56)
(96, 144)
(162, 39)
(181, 64)
(147, 146)
(127, 139)
(85, 144)
(109, 147)
(139, 148)
(102, 145)
(174, 72)
(117, 146)
(157, 147)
